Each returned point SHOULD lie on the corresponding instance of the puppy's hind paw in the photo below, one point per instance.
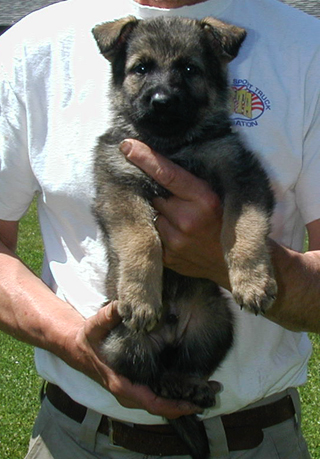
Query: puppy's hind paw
(192, 389)
(140, 316)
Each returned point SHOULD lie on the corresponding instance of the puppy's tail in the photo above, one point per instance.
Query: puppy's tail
(193, 434)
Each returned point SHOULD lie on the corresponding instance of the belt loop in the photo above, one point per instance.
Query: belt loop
(42, 393)
(217, 437)
(295, 397)
(110, 425)
(88, 429)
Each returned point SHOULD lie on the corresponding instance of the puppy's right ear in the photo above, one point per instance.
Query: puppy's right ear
(112, 36)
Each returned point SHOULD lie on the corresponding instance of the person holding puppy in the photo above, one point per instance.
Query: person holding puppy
(53, 107)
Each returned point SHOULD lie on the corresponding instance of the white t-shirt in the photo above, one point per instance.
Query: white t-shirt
(54, 105)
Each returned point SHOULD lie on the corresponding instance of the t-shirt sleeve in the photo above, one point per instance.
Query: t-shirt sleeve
(18, 184)
(308, 184)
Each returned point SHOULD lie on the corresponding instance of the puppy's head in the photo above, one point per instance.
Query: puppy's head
(169, 74)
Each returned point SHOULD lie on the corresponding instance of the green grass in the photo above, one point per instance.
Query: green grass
(20, 385)
(310, 396)
(19, 382)
(19, 401)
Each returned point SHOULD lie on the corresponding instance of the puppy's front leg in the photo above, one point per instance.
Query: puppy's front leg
(244, 239)
(135, 256)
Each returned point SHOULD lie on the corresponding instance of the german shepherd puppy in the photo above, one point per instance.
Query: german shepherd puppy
(170, 90)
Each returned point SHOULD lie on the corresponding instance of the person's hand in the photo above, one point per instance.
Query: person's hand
(82, 349)
(189, 222)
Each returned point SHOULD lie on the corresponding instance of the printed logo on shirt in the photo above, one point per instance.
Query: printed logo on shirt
(249, 103)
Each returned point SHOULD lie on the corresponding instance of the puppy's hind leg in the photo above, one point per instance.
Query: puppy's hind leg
(203, 336)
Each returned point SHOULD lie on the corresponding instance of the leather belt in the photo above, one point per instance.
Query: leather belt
(243, 429)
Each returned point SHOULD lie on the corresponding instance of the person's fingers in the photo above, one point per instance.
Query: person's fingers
(136, 396)
(187, 216)
(98, 326)
(174, 178)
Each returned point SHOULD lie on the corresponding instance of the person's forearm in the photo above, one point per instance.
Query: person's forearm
(297, 306)
(29, 310)
(32, 313)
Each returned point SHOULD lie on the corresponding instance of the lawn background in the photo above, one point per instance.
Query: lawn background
(20, 384)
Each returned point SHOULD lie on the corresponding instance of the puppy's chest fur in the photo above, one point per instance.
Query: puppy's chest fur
(212, 157)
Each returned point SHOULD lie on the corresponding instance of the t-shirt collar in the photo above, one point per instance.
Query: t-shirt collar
(197, 11)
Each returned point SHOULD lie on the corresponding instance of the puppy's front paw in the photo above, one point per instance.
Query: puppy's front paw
(254, 289)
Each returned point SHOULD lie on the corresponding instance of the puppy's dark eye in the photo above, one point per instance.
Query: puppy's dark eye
(141, 69)
(191, 70)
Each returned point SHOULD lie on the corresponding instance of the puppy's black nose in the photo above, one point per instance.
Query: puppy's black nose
(161, 101)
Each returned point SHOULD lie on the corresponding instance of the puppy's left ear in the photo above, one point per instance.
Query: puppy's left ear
(112, 36)
(225, 38)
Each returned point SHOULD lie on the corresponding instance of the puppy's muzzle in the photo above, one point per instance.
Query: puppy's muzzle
(162, 102)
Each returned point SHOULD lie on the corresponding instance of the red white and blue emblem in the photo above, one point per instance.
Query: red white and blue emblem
(249, 103)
